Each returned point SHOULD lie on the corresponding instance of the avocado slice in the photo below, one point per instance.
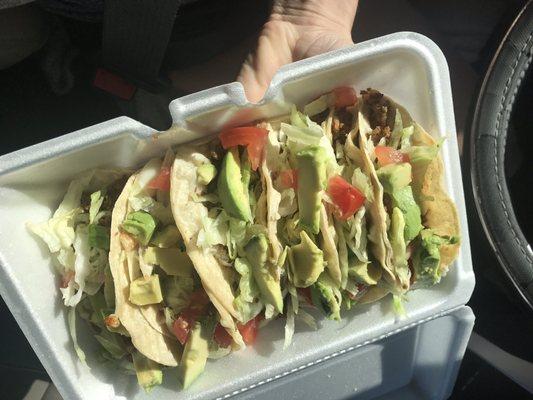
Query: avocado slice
(323, 296)
(311, 165)
(194, 355)
(173, 261)
(404, 200)
(169, 236)
(231, 191)
(426, 257)
(365, 273)
(146, 290)
(256, 253)
(394, 176)
(141, 225)
(306, 261)
(148, 372)
(206, 173)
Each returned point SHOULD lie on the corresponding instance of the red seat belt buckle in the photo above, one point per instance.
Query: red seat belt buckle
(114, 84)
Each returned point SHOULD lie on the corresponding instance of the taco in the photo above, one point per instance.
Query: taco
(187, 258)
(418, 220)
(160, 299)
(221, 200)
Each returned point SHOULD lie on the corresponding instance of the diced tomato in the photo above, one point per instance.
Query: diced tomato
(360, 286)
(197, 304)
(112, 321)
(252, 137)
(346, 197)
(344, 96)
(249, 330)
(161, 181)
(306, 293)
(222, 337)
(388, 155)
(181, 327)
(66, 278)
(289, 178)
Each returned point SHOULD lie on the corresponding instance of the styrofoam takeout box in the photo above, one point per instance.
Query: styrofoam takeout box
(406, 66)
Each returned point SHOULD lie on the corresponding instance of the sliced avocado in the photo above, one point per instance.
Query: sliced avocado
(146, 290)
(206, 173)
(426, 257)
(169, 236)
(306, 261)
(194, 355)
(141, 225)
(323, 296)
(394, 176)
(148, 372)
(256, 253)
(173, 261)
(365, 273)
(404, 200)
(311, 165)
(232, 193)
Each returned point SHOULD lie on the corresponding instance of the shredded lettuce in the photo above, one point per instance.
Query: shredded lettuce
(145, 175)
(71, 320)
(343, 253)
(270, 312)
(422, 154)
(289, 324)
(397, 305)
(58, 232)
(97, 198)
(112, 343)
(236, 236)
(288, 204)
(98, 236)
(302, 132)
(406, 137)
(146, 268)
(356, 237)
(214, 231)
(82, 267)
(307, 319)
(398, 243)
(396, 133)
(246, 302)
(361, 181)
(169, 314)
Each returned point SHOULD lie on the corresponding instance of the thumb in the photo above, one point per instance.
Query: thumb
(275, 48)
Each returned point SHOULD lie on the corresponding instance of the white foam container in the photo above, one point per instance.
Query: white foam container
(406, 66)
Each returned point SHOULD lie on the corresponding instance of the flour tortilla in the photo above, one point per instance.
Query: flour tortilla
(188, 214)
(380, 244)
(438, 210)
(141, 322)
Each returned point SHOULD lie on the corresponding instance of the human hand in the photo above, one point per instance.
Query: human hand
(297, 29)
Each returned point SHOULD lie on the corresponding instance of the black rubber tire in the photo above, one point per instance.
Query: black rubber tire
(488, 140)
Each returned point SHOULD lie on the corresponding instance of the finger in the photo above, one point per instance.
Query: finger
(274, 49)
